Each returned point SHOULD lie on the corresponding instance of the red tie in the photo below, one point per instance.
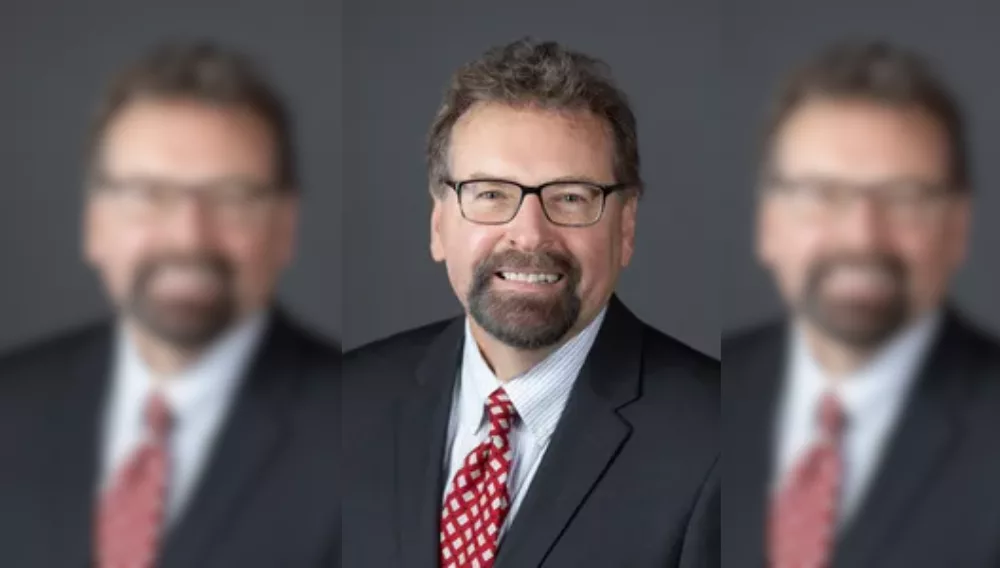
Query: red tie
(804, 513)
(477, 504)
(131, 512)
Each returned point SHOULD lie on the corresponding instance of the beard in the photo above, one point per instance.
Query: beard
(188, 324)
(525, 321)
(861, 323)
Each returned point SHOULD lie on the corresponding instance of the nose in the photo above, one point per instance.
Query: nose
(189, 226)
(863, 227)
(530, 229)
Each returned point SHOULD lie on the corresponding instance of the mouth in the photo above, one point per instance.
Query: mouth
(531, 278)
(187, 282)
(860, 281)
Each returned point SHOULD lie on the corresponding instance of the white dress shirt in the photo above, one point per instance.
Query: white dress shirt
(539, 397)
(199, 398)
(872, 399)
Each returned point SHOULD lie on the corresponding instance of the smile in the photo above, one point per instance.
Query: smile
(531, 278)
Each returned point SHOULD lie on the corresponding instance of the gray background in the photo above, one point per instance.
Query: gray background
(55, 57)
(763, 39)
(398, 57)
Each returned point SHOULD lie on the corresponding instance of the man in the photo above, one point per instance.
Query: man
(549, 426)
(198, 429)
(861, 432)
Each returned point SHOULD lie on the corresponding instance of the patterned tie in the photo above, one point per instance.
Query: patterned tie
(131, 512)
(804, 514)
(477, 504)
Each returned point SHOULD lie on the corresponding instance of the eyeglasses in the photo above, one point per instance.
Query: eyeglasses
(903, 202)
(565, 203)
(228, 201)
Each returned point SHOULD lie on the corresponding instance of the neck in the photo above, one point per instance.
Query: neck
(835, 357)
(505, 361)
(163, 358)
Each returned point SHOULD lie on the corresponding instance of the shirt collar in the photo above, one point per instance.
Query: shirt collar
(539, 395)
(888, 376)
(214, 375)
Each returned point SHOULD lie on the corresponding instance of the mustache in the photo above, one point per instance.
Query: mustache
(515, 260)
(541, 261)
(824, 267)
(214, 264)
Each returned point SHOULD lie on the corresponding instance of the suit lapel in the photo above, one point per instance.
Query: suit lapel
(71, 446)
(585, 442)
(247, 442)
(919, 445)
(750, 396)
(422, 424)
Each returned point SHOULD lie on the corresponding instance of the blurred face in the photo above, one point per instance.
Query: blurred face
(859, 223)
(185, 223)
(528, 281)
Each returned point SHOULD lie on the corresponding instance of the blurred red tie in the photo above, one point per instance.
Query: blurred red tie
(804, 513)
(130, 517)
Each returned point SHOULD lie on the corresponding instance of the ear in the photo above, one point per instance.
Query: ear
(437, 242)
(91, 232)
(960, 229)
(763, 238)
(629, 213)
(288, 229)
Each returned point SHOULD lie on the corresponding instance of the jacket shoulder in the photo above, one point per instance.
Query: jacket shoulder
(40, 364)
(404, 347)
(738, 342)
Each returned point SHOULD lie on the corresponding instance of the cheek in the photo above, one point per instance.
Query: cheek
(599, 256)
(257, 255)
(929, 259)
(792, 250)
(117, 249)
(464, 248)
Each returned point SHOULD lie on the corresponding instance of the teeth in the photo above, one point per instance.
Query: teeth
(186, 279)
(861, 279)
(530, 278)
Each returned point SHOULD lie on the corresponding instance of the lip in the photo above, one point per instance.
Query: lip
(528, 286)
(185, 286)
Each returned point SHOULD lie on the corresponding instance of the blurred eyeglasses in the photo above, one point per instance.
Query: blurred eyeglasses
(903, 202)
(228, 201)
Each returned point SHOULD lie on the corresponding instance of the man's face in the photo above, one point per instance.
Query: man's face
(529, 282)
(860, 225)
(186, 225)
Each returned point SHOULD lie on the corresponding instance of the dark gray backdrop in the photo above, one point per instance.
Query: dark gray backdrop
(55, 57)
(762, 39)
(398, 57)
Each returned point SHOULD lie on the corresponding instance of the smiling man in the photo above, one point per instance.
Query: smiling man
(548, 426)
(198, 427)
(861, 430)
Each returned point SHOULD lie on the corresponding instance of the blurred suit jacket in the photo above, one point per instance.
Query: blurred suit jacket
(268, 497)
(630, 477)
(934, 500)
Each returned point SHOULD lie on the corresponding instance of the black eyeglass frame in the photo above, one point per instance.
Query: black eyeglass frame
(606, 190)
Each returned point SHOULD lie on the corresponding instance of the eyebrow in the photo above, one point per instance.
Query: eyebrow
(565, 178)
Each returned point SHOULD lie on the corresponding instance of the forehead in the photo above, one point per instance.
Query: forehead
(861, 140)
(530, 144)
(186, 139)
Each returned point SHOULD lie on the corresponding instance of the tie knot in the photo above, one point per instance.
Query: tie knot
(500, 410)
(158, 416)
(831, 416)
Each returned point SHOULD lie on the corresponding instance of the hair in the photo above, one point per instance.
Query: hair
(545, 75)
(204, 72)
(875, 71)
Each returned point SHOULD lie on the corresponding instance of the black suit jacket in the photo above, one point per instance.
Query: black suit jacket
(934, 500)
(268, 497)
(630, 478)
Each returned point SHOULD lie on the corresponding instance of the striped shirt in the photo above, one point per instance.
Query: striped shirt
(539, 396)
